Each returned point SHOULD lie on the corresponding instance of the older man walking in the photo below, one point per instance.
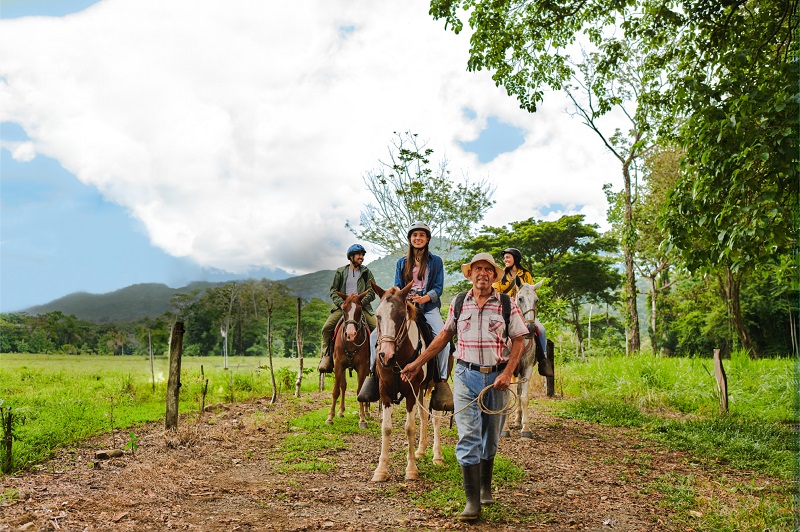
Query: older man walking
(484, 359)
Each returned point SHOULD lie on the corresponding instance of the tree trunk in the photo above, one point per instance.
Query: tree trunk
(576, 316)
(634, 342)
(731, 285)
(653, 312)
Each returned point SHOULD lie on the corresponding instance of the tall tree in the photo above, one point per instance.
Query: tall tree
(407, 189)
(529, 46)
(572, 255)
(736, 82)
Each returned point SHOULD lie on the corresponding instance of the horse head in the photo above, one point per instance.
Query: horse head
(393, 315)
(351, 314)
(527, 300)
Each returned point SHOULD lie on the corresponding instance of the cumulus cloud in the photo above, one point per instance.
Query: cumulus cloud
(238, 132)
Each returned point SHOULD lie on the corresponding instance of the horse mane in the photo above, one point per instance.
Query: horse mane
(412, 311)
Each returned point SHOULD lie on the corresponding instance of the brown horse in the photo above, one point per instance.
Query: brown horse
(399, 342)
(350, 351)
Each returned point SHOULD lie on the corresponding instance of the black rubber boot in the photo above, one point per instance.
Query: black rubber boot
(486, 481)
(369, 392)
(472, 489)
(545, 366)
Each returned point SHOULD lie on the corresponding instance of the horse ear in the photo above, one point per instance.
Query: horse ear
(341, 294)
(537, 285)
(362, 295)
(378, 290)
(406, 290)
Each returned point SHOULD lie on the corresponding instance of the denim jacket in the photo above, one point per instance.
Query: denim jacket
(433, 287)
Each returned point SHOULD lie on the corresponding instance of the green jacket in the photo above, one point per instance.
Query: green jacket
(339, 284)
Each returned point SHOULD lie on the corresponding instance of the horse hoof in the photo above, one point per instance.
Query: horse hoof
(527, 434)
(419, 454)
(439, 462)
(380, 477)
(505, 434)
(414, 475)
(329, 422)
(341, 414)
(363, 425)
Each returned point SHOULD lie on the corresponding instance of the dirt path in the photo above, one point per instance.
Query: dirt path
(226, 474)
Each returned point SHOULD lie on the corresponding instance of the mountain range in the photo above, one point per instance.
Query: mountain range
(153, 299)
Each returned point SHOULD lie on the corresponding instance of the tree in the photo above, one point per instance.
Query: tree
(528, 46)
(407, 190)
(573, 256)
(736, 207)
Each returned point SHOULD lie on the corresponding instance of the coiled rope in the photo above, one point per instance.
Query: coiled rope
(511, 405)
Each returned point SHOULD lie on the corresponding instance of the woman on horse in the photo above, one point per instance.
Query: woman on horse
(513, 277)
(426, 273)
(514, 274)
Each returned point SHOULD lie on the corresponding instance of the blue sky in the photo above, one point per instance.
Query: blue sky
(130, 157)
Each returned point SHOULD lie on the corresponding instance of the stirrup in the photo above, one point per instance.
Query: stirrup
(369, 392)
(442, 397)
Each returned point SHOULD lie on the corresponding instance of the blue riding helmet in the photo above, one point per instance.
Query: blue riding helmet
(355, 248)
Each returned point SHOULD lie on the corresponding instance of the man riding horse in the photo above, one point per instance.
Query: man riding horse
(353, 278)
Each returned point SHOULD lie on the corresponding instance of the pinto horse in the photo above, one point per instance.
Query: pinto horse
(527, 301)
(399, 343)
(350, 351)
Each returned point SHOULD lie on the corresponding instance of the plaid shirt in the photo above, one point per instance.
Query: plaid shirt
(481, 332)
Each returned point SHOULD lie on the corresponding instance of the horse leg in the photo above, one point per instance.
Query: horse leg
(523, 403)
(343, 388)
(335, 394)
(423, 430)
(412, 473)
(437, 439)
(382, 471)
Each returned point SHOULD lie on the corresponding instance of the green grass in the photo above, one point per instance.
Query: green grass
(64, 399)
(757, 389)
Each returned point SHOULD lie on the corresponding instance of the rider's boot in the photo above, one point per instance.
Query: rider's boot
(544, 363)
(369, 392)
(545, 366)
(442, 397)
(326, 362)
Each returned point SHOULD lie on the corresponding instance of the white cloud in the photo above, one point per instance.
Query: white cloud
(20, 151)
(238, 132)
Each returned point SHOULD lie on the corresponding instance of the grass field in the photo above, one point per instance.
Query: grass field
(63, 399)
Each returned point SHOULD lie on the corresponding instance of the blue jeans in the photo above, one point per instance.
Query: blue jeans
(434, 319)
(478, 432)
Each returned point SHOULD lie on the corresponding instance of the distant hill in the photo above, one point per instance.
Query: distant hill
(152, 299)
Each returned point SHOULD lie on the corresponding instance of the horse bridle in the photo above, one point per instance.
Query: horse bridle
(528, 322)
(397, 340)
(359, 325)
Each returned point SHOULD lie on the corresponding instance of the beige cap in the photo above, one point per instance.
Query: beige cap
(465, 268)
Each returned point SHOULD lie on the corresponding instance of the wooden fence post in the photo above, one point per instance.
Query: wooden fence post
(722, 382)
(550, 382)
(299, 382)
(174, 382)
